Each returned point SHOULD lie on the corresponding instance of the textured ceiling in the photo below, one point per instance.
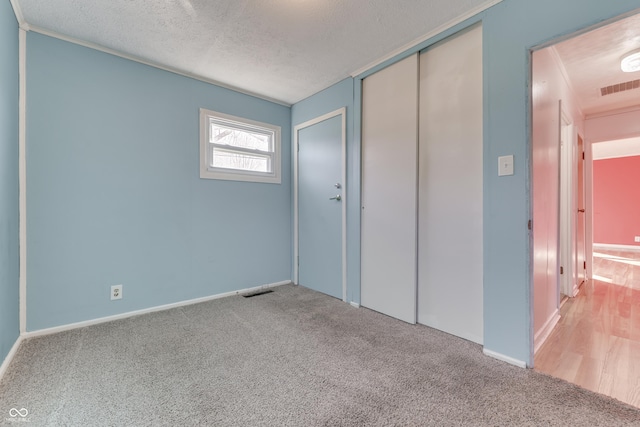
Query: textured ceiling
(592, 61)
(280, 49)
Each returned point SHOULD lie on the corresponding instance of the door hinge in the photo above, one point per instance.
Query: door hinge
(584, 265)
(561, 270)
(583, 155)
(530, 225)
(298, 147)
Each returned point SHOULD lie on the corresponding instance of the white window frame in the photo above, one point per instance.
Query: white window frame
(241, 123)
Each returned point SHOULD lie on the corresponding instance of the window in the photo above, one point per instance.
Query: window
(238, 149)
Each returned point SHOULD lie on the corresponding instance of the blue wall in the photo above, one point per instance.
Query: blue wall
(510, 30)
(9, 246)
(335, 97)
(114, 194)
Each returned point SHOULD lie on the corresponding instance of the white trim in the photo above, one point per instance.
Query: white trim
(588, 204)
(85, 323)
(605, 246)
(22, 176)
(7, 360)
(354, 304)
(442, 28)
(545, 331)
(341, 111)
(565, 75)
(616, 148)
(344, 204)
(153, 64)
(567, 201)
(502, 357)
(578, 287)
(17, 10)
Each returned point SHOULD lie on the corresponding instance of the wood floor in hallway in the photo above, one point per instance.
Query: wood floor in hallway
(596, 343)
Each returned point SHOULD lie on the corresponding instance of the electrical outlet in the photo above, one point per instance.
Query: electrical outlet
(116, 292)
(637, 239)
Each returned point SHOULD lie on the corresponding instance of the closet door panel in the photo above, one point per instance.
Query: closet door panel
(389, 176)
(450, 291)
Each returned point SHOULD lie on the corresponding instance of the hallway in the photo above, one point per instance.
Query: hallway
(596, 343)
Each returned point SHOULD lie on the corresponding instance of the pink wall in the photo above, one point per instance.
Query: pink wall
(549, 87)
(616, 200)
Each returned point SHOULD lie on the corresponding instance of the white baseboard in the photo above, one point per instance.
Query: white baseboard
(631, 248)
(10, 356)
(68, 327)
(544, 332)
(509, 360)
(574, 290)
(354, 304)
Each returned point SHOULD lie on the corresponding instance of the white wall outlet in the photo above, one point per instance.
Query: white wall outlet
(636, 239)
(116, 292)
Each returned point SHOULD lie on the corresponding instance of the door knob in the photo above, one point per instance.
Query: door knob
(338, 185)
(338, 198)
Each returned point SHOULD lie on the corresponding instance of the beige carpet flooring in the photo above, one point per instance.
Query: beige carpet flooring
(293, 357)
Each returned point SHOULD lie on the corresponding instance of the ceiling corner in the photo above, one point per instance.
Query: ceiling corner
(19, 16)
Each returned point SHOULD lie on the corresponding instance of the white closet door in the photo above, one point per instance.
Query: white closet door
(450, 187)
(389, 176)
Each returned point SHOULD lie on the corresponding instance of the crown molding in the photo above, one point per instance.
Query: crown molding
(19, 16)
(613, 112)
(565, 75)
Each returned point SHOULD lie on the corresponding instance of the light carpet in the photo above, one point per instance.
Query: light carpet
(293, 357)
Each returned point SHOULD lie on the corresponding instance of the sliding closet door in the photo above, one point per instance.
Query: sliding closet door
(450, 187)
(389, 175)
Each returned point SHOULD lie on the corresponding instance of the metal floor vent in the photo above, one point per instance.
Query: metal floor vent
(255, 294)
(620, 87)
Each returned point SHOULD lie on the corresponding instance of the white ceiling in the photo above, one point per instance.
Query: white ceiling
(284, 50)
(592, 61)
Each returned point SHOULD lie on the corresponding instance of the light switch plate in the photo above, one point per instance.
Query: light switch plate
(505, 165)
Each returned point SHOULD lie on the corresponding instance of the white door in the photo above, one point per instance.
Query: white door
(568, 208)
(581, 228)
(389, 174)
(450, 244)
(320, 204)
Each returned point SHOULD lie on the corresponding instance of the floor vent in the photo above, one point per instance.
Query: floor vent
(255, 294)
(620, 87)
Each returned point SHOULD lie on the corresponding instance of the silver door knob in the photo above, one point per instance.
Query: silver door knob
(338, 185)
(338, 198)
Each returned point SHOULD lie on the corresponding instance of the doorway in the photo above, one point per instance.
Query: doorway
(616, 203)
(593, 340)
(568, 209)
(572, 231)
(319, 204)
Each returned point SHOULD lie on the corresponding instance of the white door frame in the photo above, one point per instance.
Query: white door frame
(567, 205)
(343, 112)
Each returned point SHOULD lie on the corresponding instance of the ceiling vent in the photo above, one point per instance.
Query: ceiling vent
(620, 87)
